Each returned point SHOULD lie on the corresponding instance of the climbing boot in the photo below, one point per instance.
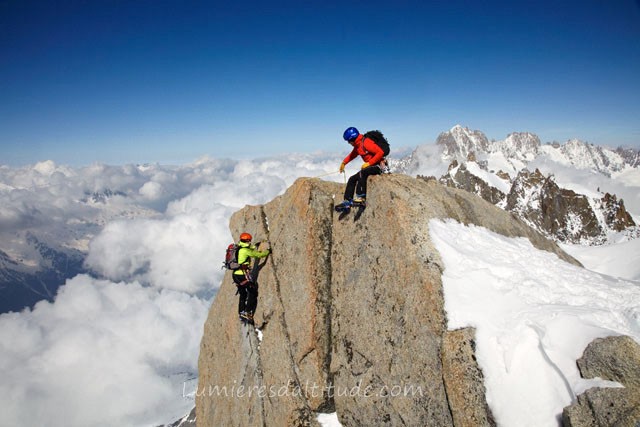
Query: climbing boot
(344, 206)
(246, 317)
(360, 199)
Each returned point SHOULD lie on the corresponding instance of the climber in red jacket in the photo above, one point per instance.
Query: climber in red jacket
(372, 155)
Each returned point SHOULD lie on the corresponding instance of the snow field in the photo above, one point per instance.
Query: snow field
(534, 315)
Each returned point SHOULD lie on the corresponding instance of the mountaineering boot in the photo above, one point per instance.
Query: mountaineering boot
(344, 206)
(359, 199)
(246, 317)
(360, 204)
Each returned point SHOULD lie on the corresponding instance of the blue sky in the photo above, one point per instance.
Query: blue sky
(168, 81)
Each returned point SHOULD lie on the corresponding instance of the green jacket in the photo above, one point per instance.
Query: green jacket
(245, 253)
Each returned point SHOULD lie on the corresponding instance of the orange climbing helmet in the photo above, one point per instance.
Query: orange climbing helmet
(245, 237)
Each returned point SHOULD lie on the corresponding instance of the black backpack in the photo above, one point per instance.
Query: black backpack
(231, 257)
(377, 137)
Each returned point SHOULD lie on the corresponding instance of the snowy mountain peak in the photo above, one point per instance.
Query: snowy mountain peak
(518, 149)
(101, 196)
(588, 156)
(631, 156)
(567, 211)
(519, 144)
(459, 142)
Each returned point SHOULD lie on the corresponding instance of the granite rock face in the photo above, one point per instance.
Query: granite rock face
(351, 314)
(464, 380)
(614, 359)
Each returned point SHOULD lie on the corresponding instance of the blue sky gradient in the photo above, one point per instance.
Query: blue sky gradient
(168, 81)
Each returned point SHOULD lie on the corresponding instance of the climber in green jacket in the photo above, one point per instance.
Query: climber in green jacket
(242, 277)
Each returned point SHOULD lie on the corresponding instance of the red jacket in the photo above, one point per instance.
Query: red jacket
(367, 149)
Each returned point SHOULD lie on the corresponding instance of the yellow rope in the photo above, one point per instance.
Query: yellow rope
(326, 174)
(344, 175)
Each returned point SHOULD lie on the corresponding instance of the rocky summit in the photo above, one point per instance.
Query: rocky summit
(351, 314)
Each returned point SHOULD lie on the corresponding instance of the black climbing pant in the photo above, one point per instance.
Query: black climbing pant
(248, 292)
(358, 181)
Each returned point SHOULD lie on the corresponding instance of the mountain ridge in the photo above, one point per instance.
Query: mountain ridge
(498, 171)
(459, 142)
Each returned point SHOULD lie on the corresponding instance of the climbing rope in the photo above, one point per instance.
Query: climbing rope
(333, 173)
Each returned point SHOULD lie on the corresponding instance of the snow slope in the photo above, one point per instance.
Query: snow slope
(534, 316)
(619, 260)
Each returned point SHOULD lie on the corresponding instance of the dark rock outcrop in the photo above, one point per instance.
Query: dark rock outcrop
(613, 358)
(351, 315)
(559, 212)
(615, 214)
(459, 176)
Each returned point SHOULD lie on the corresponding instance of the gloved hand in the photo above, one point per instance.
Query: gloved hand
(342, 165)
(365, 165)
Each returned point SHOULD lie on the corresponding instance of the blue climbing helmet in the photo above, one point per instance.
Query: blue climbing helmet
(350, 134)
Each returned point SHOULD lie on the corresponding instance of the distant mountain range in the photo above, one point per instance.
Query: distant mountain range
(498, 171)
(520, 148)
(24, 283)
(35, 262)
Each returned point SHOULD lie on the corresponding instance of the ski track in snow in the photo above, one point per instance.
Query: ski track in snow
(534, 315)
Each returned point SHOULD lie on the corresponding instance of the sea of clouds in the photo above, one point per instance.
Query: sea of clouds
(116, 346)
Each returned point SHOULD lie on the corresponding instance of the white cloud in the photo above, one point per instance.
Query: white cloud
(180, 252)
(151, 190)
(102, 354)
(183, 249)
